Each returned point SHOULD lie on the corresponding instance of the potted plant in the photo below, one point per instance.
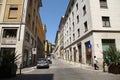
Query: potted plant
(112, 59)
(8, 67)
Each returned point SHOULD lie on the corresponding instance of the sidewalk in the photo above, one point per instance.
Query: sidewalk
(82, 66)
(25, 70)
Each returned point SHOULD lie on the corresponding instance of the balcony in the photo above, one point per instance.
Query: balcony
(9, 41)
(9, 36)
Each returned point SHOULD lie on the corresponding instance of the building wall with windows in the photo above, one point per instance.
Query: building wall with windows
(91, 27)
(18, 28)
(13, 10)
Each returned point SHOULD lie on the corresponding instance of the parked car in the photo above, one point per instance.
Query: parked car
(42, 63)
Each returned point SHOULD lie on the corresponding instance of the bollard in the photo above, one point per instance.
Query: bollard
(20, 69)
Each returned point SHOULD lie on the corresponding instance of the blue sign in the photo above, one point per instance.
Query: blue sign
(89, 46)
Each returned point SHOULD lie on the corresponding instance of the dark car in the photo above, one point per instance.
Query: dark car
(42, 63)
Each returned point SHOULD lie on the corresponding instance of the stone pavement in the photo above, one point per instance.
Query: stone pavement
(73, 64)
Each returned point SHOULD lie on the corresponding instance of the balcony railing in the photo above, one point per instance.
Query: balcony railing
(9, 41)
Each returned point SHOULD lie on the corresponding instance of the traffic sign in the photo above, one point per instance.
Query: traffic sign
(89, 46)
(34, 50)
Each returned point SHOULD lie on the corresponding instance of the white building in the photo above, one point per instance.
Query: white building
(91, 27)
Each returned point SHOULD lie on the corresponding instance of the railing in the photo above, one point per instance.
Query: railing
(9, 41)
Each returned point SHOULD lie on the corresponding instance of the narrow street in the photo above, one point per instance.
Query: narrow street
(60, 70)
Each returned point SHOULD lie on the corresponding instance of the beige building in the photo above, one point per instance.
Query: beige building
(48, 48)
(19, 29)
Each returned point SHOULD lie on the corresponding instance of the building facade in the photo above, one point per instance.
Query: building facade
(57, 45)
(48, 49)
(19, 24)
(90, 28)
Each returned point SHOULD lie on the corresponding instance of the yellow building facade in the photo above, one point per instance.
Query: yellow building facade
(20, 26)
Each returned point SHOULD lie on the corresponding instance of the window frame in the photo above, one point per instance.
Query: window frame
(106, 21)
(103, 4)
(13, 8)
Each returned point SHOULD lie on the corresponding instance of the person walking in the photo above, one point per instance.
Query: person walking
(96, 67)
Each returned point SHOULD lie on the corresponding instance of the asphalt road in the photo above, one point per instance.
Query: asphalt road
(60, 70)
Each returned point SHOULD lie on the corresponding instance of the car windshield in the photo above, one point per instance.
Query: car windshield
(42, 61)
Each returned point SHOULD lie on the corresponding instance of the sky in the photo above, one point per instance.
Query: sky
(51, 13)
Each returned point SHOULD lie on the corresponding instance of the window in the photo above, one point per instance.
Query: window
(107, 43)
(106, 21)
(10, 33)
(30, 3)
(33, 27)
(28, 18)
(70, 29)
(32, 41)
(73, 37)
(27, 37)
(13, 12)
(67, 33)
(84, 10)
(77, 18)
(103, 4)
(69, 20)
(86, 27)
(70, 39)
(77, 6)
(73, 26)
(73, 15)
(78, 32)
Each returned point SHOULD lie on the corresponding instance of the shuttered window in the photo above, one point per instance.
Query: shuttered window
(13, 12)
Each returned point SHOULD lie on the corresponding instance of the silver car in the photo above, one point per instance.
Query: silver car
(42, 63)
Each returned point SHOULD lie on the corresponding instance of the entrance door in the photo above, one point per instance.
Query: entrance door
(88, 53)
(74, 49)
(80, 53)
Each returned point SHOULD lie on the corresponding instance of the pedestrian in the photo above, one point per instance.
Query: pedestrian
(96, 67)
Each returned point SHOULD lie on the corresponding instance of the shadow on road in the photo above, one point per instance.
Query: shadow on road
(32, 77)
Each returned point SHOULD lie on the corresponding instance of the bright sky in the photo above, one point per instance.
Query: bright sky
(51, 13)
